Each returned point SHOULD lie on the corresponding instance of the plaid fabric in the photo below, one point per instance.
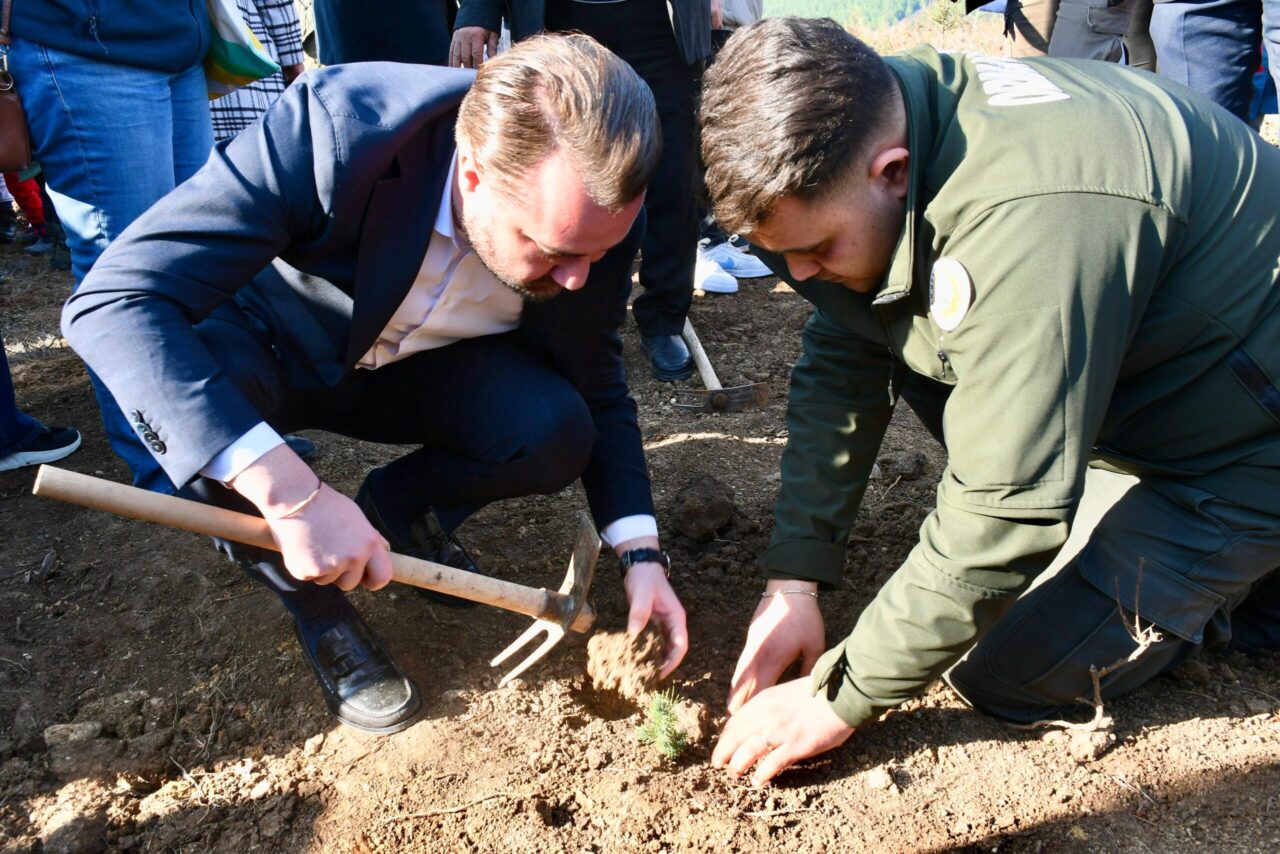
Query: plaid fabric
(275, 23)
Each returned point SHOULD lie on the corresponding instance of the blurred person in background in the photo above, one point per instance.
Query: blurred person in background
(118, 110)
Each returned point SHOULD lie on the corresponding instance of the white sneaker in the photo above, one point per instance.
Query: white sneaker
(735, 260)
(707, 276)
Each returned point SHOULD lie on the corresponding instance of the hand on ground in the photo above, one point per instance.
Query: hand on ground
(776, 729)
(785, 628)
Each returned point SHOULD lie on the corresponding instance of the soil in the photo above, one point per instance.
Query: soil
(153, 699)
(625, 664)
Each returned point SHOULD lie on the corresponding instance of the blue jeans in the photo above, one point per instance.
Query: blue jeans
(1212, 46)
(16, 427)
(112, 139)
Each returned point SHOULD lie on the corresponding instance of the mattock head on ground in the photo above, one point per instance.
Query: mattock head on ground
(564, 611)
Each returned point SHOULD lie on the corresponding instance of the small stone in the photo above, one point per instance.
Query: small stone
(1006, 820)
(454, 694)
(1088, 746)
(113, 711)
(597, 758)
(1257, 706)
(879, 778)
(60, 735)
(312, 745)
(961, 827)
(260, 790)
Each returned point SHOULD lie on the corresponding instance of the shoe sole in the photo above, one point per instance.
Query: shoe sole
(670, 376)
(719, 289)
(35, 458)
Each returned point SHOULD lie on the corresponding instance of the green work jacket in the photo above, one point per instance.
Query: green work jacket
(1103, 249)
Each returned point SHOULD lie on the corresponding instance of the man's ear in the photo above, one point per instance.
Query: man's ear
(891, 168)
(469, 173)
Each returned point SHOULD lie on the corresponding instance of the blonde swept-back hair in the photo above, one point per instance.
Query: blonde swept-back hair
(564, 92)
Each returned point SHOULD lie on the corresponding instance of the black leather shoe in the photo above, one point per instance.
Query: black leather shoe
(427, 540)
(669, 358)
(301, 445)
(362, 685)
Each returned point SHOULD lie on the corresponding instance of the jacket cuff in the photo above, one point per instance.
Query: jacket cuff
(809, 560)
(831, 680)
(475, 14)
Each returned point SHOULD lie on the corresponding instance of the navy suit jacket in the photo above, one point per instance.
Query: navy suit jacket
(337, 188)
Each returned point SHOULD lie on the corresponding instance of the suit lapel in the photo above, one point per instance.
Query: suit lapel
(397, 230)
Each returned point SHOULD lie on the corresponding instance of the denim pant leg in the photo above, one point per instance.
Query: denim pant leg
(1180, 558)
(16, 427)
(111, 140)
(1271, 37)
(1210, 46)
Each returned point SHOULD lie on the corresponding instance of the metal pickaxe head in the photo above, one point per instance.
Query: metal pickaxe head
(743, 398)
(567, 610)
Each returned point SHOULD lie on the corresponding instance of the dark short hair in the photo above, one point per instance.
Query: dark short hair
(570, 93)
(787, 108)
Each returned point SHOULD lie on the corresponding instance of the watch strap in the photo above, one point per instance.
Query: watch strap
(631, 557)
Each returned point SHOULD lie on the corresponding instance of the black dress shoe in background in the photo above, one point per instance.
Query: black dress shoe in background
(362, 685)
(669, 358)
(301, 445)
(426, 540)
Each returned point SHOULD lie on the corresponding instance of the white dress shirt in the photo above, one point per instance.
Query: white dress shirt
(453, 297)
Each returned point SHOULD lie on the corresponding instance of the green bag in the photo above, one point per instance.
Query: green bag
(236, 58)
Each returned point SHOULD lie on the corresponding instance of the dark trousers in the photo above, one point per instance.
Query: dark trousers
(640, 32)
(492, 419)
(416, 31)
(16, 427)
(1201, 570)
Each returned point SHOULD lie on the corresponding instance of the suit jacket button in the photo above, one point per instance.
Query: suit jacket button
(158, 447)
(136, 416)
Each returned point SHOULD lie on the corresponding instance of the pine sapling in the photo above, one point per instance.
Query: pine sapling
(662, 726)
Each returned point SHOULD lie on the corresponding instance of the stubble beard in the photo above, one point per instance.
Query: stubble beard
(539, 290)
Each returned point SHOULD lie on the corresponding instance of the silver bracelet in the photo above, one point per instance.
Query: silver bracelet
(767, 593)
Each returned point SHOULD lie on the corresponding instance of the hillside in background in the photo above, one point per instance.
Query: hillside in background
(873, 13)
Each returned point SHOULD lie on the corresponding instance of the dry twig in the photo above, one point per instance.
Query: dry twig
(1143, 638)
(448, 810)
(776, 813)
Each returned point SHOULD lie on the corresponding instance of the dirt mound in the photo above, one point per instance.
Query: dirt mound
(625, 664)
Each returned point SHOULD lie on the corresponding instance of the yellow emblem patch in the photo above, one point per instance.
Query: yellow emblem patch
(950, 293)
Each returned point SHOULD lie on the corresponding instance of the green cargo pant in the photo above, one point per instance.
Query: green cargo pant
(1201, 569)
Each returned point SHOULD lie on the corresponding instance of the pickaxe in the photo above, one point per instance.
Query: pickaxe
(553, 612)
(743, 398)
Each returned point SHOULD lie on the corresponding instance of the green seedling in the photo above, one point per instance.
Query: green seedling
(662, 727)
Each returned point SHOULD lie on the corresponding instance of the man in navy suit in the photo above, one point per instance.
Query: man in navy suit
(401, 254)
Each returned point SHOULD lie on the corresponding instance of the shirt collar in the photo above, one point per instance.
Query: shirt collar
(444, 215)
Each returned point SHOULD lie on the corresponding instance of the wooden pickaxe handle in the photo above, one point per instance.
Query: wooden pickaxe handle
(99, 494)
(708, 373)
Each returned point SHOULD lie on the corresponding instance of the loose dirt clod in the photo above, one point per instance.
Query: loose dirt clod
(703, 509)
(626, 664)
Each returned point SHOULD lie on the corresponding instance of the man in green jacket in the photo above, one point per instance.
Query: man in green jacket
(1095, 338)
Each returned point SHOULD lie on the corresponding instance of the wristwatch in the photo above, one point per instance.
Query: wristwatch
(630, 558)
